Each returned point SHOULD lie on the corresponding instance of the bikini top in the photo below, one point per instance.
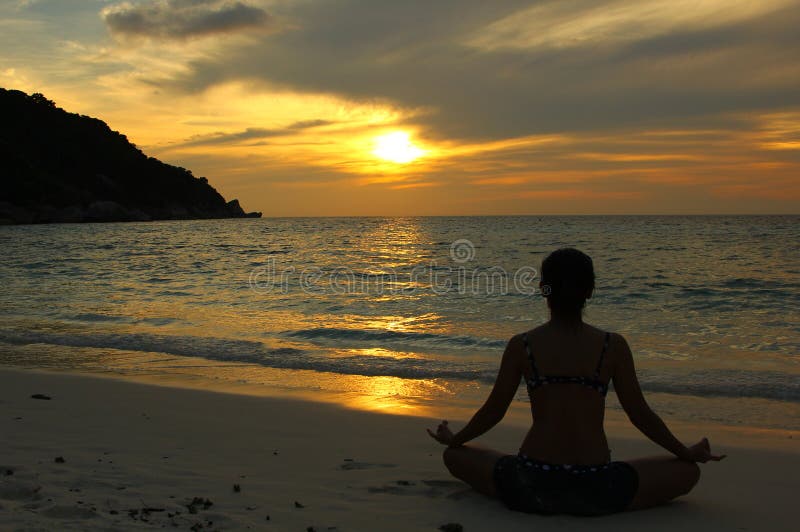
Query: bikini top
(593, 382)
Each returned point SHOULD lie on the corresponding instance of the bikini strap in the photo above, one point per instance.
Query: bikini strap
(602, 355)
(530, 357)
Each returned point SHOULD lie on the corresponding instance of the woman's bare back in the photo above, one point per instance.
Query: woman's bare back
(567, 417)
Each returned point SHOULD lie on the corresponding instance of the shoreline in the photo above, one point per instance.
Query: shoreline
(517, 417)
(129, 447)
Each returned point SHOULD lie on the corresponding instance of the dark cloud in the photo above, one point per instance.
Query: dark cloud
(307, 124)
(181, 19)
(251, 133)
(416, 54)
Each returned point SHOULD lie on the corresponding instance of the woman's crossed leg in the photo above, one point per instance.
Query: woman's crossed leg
(474, 465)
(661, 478)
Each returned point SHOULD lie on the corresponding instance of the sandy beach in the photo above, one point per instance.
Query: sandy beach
(110, 454)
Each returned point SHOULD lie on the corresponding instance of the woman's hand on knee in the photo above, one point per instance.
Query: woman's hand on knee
(443, 434)
(701, 452)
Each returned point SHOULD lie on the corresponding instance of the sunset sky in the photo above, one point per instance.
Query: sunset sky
(437, 107)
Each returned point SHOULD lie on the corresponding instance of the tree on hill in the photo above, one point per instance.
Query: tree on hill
(57, 166)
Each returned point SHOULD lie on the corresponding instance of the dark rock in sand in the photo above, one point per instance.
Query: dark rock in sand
(451, 527)
(237, 488)
(41, 396)
(197, 503)
(59, 460)
(298, 505)
(350, 465)
(57, 166)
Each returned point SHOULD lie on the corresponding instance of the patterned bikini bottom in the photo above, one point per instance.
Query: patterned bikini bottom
(532, 486)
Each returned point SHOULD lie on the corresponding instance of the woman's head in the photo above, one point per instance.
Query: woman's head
(567, 280)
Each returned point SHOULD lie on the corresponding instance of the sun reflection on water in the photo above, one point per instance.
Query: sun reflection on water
(381, 353)
(392, 395)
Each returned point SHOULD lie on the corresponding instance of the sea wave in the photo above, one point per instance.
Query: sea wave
(724, 383)
(339, 335)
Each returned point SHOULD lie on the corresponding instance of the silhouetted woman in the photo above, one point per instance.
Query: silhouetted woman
(564, 464)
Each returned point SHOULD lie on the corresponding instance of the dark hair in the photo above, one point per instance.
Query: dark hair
(569, 274)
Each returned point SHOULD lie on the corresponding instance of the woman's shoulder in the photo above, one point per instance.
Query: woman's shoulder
(615, 346)
(519, 341)
(614, 337)
(533, 331)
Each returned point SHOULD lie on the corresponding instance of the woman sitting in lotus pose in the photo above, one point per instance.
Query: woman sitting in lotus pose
(564, 464)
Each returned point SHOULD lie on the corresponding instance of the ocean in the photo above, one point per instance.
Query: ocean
(409, 314)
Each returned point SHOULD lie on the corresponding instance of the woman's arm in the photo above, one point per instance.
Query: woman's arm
(626, 385)
(496, 405)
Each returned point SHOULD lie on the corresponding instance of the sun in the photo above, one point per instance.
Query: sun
(397, 148)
